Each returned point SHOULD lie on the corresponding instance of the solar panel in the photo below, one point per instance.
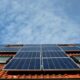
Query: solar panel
(32, 45)
(49, 45)
(59, 64)
(27, 55)
(67, 48)
(6, 49)
(54, 54)
(40, 58)
(51, 49)
(30, 49)
(24, 64)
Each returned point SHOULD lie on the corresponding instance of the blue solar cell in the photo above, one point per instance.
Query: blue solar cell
(27, 55)
(44, 49)
(54, 54)
(49, 45)
(28, 49)
(23, 64)
(59, 63)
(67, 48)
(6, 49)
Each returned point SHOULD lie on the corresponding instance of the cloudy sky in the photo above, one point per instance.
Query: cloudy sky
(39, 21)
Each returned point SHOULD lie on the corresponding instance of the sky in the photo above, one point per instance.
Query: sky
(39, 21)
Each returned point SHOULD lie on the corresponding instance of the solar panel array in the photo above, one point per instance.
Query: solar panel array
(41, 57)
(8, 49)
(73, 48)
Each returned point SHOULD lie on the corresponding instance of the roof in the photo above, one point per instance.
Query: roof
(4, 74)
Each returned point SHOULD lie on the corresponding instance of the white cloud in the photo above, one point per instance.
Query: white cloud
(39, 21)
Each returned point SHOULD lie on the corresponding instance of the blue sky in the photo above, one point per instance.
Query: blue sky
(39, 21)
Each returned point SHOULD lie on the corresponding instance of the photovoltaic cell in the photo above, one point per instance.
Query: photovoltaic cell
(44, 49)
(59, 64)
(24, 64)
(6, 49)
(54, 54)
(30, 49)
(27, 55)
(67, 48)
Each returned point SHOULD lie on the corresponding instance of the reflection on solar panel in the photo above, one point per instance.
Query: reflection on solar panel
(40, 57)
(70, 48)
(59, 63)
(6, 49)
